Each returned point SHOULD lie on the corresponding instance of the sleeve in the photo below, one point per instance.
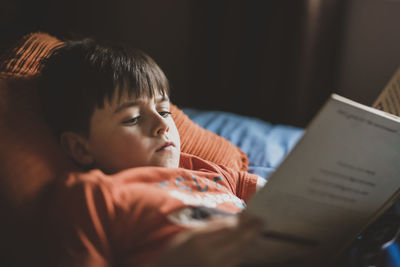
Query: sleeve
(81, 216)
(242, 183)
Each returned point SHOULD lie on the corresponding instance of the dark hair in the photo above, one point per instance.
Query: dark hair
(82, 75)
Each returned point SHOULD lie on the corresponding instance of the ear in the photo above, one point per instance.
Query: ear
(77, 147)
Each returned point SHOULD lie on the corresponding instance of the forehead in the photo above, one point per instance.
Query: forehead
(116, 106)
(121, 102)
(123, 95)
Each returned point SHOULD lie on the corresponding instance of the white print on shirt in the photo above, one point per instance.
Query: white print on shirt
(183, 184)
(207, 199)
(195, 216)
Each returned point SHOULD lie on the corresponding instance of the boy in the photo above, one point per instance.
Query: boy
(142, 202)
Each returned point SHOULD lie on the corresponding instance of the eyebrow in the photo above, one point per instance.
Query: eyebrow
(138, 102)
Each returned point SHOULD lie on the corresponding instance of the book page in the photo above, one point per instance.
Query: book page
(389, 99)
(332, 184)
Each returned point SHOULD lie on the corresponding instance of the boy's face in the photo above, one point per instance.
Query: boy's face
(134, 132)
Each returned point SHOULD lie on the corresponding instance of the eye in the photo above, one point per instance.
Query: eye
(164, 114)
(132, 121)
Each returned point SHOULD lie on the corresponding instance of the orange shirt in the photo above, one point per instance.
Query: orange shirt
(125, 219)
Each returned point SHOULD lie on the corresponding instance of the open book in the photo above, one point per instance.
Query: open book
(341, 176)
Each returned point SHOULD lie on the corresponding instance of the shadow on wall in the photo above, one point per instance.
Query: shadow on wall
(371, 52)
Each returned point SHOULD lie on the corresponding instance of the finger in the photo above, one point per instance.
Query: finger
(233, 249)
(243, 233)
(222, 240)
(213, 229)
(249, 219)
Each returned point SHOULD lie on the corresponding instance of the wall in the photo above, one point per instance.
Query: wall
(277, 60)
(371, 48)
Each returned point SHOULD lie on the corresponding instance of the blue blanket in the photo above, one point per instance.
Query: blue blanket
(266, 145)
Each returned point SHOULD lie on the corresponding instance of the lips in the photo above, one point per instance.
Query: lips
(165, 146)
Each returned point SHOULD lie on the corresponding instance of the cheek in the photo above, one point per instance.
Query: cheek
(175, 134)
(126, 142)
(117, 144)
(121, 151)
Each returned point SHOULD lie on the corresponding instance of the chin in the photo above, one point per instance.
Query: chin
(169, 163)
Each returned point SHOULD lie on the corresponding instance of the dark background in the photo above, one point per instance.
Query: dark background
(277, 60)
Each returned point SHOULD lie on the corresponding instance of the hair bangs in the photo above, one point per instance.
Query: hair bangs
(136, 74)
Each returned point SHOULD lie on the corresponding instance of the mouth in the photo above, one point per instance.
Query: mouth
(166, 146)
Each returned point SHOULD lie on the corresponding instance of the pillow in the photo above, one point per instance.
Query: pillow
(23, 60)
(205, 144)
(30, 155)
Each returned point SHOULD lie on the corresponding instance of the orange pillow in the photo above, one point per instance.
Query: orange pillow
(30, 155)
(198, 141)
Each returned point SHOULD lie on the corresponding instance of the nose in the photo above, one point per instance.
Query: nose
(160, 126)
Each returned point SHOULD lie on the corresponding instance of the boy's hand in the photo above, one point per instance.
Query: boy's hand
(220, 242)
